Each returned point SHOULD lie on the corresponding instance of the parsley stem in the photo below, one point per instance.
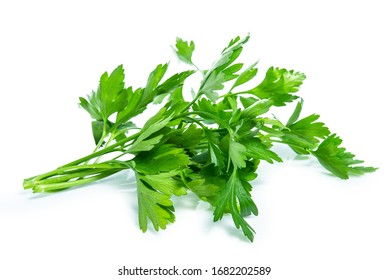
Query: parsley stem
(104, 151)
(68, 177)
(72, 167)
(69, 172)
(101, 141)
(190, 104)
(106, 145)
(198, 69)
(65, 185)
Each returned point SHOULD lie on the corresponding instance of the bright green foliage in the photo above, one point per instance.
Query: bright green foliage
(109, 98)
(154, 192)
(304, 135)
(235, 198)
(246, 76)
(163, 158)
(220, 73)
(278, 86)
(237, 152)
(337, 160)
(184, 50)
(211, 145)
(257, 150)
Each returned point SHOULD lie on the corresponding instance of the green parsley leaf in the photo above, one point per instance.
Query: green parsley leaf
(230, 72)
(337, 160)
(133, 107)
(216, 153)
(170, 85)
(154, 124)
(97, 130)
(154, 192)
(277, 86)
(303, 135)
(296, 113)
(153, 81)
(246, 76)
(187, 137)
(163, 158)
(184, 50)
(109, 98)
(219, 73)
(236, 199)
(256, 109)
(237, 153)
(257, 150)
(204, 181)
(214, 83)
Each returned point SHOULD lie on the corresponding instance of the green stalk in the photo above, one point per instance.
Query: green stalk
(74, 166)
(66, 185)
(104, 151)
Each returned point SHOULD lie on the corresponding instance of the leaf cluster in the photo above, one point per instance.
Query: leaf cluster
(211, 144)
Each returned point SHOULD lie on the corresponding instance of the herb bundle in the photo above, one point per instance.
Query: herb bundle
(210, 145)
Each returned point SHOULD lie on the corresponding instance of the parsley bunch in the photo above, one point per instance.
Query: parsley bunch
(211, 145)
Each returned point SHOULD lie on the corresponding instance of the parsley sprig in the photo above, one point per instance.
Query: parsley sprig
(210, 145)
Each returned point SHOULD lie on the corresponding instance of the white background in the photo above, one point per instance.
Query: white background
(311, 225)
